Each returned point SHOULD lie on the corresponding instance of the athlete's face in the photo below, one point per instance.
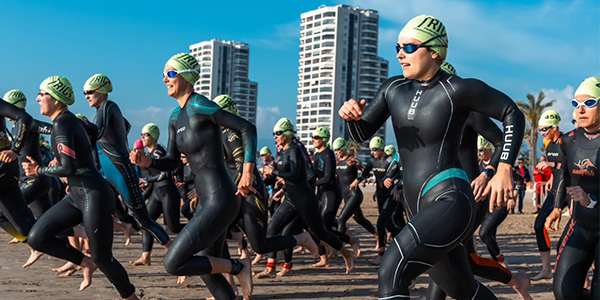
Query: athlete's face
(485, 155)
(95, 99)
(47, 103)
(282, 140)
(548, 131)
(175, 85)
(148, 140)
(419, 65)
(318, 141)
(340, 153)
(378, 153)
(587, 117)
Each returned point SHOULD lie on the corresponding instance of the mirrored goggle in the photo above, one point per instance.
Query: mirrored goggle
(589, 103)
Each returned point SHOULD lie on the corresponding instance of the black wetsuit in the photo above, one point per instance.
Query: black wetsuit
(428, 119)
(195, 130)
(385, 204)
(252, 218)
(394, 172)
(553, 154)
(113, 153)
(347, 172)
(35, 189)
(184, 174)
(163, 198)
(580, 245)
(16, 217)
(91, 202)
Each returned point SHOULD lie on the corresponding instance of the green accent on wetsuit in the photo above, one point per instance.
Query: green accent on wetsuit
(201, 105)
(446, 174)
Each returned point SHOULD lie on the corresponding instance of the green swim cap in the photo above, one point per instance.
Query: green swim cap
(590, 86)
(482, 143)
(100, 82)
(59, 88)
(340, 144)
(389, 150)
(286, 126)
(448, 68)
(429, 31)
(152, 130)
(377, 142)
(41, 139)
(549, 118)
(16, 98)
(227, 104)
(82, 117)
(186, 62)
(265, 151)
(323, 132)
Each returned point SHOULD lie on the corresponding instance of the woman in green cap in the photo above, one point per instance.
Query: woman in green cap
(91, 198)
(195, 130)
(428, 108)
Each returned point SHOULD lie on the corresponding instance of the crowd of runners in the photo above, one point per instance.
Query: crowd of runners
(453, 171)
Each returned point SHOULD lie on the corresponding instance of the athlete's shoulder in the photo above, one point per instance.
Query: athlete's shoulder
(174, 114)
(199, 104)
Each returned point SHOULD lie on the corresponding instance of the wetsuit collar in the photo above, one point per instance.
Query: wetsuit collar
(431, 82)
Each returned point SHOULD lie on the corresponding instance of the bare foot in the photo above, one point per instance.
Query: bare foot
(323, 263)
(376, 242)
(67, 273)
(167, 245)
(355, 244)
(245, 279)
(142, 261)
(258, 259)
(284, 272)
(88, 267)
(267, 273)
(299, 250)
(231, 281)
(14, 241)
(521, 286)
(133, 297)
(33, 257)
(305, 240)
(545, 274)
(348, 258)
(127, 233)
(181, 280)
(66, 267)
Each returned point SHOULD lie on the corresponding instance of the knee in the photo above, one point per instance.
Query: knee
(485, 233)
(171, 264)
(563, 292)
(538, 226)
(36, 239)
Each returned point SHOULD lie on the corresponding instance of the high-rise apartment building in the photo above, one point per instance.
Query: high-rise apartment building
(338, 61)
(224, 70)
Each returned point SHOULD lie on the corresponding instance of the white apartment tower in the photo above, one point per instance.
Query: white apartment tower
(224, 70)
(338, 61)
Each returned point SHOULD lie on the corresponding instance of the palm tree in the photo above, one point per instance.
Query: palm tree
(532, 109)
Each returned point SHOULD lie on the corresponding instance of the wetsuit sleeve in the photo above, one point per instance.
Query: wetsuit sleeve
(64, 151)
(393, 169)
(171, 160)
(246, 129)
(296, 161)
(564, 179)
(235, 148)
(158, 152)
(22, 122)
(488, 129)
(179, 172)
(493, 103)
(373, 117)
(41, 127)
(328, 170)
(103, 116)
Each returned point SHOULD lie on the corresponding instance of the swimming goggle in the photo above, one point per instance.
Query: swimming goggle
(411, 48)
(591, 102)
(174, 73)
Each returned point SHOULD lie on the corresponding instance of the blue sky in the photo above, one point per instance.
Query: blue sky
(516, 47)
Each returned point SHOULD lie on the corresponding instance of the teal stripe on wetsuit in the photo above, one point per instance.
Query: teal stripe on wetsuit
(112, 175)
(446, 174)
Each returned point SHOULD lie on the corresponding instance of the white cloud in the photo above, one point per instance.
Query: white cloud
(151, 114)
(283, 36)
(562, 105)
(266, 117)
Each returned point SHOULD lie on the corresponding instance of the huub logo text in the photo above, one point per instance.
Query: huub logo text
(413, 105)
(508, 136)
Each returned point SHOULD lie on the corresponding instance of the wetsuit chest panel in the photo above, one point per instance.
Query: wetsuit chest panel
(346, 173)
(194, 133)
(554, 154)
(113, 128)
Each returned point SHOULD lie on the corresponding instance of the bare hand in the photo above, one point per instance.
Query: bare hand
(278, 195)
(53, 162)
(267, 170)
(500, 187)
(577, 194)
(67, 189)
(544, 164)
(388, 182)
(193, 204)
(352, 110)
(245, 185)
(8, 156)
(553, 220)
(192, 194)
(30, 167)
(179, 184)
(510, 204)
(354, 185)
(139, 159)
(478, 185)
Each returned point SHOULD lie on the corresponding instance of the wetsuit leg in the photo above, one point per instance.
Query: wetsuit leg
(35, 192)
(359, 217)
(154, 211)
(185, 209)
(398, 216)
(14, 209)
(384, 221)
(431, 238)
(282, 217)
(352, 200)
(541, 234)
(56, 190)
(293, 228)
(10, 228)
(381, 225)
(330, 203)
(216, 283)
(308, 208)
(488, 230)
(169, 198)
(579, 248)
(123, 177)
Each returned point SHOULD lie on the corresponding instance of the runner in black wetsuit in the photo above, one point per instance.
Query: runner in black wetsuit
(195, 129)
(90, 198)
(291, 165)
(429, 108)
(113, 153)
(548, 127)
(34, 189)
(396, 191)
(580, 246)
(252, 218)
(347, 172)
(378, 163)
(163, 196)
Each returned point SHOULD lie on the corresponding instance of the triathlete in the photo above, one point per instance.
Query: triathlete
(378, 163)
(163, 194)
(579, 179)
(347, 172)
(396, 191)
(548, 127)
(300, 198)
(429, 108)
(91, 199)
(113, 153)
(195, 130)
